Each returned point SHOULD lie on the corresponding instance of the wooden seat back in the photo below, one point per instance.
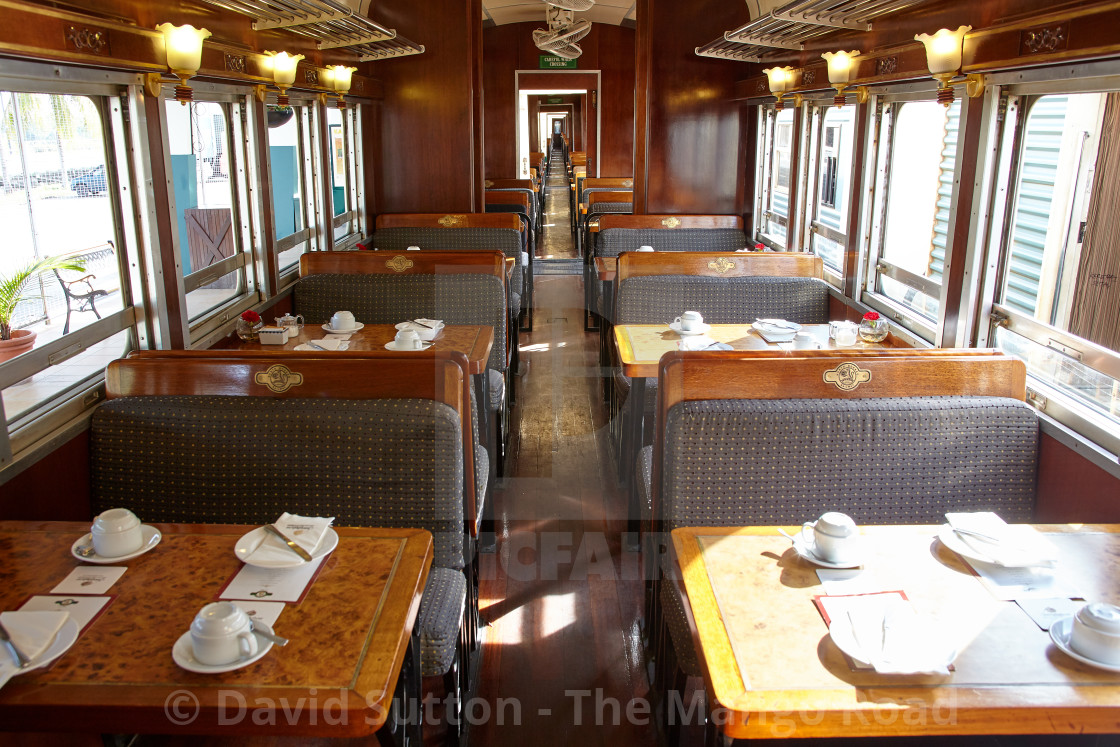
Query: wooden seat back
(448, 220)
(720, 264)
(511, 184)
(518, 198)
(618, 220)
(429, 262)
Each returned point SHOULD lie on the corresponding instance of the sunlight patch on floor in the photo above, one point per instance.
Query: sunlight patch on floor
(559, 613)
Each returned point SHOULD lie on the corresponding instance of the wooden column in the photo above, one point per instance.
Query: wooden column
(686, 120)
(429, 158)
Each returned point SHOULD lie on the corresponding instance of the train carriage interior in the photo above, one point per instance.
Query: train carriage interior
(686, 275)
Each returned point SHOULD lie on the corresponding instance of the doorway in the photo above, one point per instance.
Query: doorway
(568, 100)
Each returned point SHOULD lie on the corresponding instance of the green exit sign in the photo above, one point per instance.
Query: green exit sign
(555, 100)
(552, 62)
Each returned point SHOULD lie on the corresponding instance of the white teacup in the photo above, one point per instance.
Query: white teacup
(116, 532)
(644, 248)
(409, 339)
(1096, 633)
(343, 321)
(221, 634)
(834, 536)
(689, 320)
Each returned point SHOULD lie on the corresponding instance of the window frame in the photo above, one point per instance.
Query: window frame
(816, 113)
(119, 100)
(1007, 146)
(310, 236)
(354, 217)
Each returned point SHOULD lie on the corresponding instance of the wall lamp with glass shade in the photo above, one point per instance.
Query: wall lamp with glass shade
(944, 53)
(283, 74)
(839, 72)
(183, 46)
(781, 79)
(340, 77)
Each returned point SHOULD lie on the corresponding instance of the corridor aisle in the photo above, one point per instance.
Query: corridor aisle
(556, 240)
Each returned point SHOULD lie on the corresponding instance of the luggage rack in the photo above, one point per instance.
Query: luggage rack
(333, 24)
(793, 24)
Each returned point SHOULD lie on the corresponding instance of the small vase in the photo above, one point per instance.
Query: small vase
(874, 330)
(248, 330)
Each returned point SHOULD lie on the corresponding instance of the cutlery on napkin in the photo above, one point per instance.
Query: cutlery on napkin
(424, 325)
(305, 531)
(31, 633)
(327, 343)
(1010, 545)
(701, 342)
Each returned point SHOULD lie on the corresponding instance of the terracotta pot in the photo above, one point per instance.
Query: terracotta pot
(22, 341)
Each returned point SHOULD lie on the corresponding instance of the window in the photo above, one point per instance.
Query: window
(830, 168)
(774, 175)
(63, 162)
(213, 231)
(290, 143)
(345, 177)
(1057, 298)
(914, 174)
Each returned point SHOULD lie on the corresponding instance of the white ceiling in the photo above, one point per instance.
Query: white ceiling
(516, 11)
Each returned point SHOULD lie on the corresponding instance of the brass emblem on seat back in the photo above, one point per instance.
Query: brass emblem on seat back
(489, 183)
(721, 265)
(671, 222)
(450, 221)
(628, 183)
(847, 376)
(399, 263)
(279, 378)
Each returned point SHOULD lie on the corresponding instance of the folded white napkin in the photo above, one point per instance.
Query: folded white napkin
(1010, 545)
(327, 343)
(422, 326)
(772, 334)
(701, 342)
(524, 259)
(305, 531)
(893, 637)
(31, 632)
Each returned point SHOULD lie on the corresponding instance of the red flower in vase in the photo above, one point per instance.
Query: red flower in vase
(871, 316)
(251, 316)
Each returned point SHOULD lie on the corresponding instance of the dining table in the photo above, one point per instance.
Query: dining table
(772, 669)
(350, 668)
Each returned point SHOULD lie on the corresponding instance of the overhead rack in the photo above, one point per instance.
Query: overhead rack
(793, 24)
(333, 24)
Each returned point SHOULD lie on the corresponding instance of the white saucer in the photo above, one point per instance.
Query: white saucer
(777, 326)
(61, 643)
(1060, 633)
(151, 536)
(805, 550)
(845, 640)
(699, 329)
(251, 541)
(392, 345)
(954, 542)
(332, 330)
(425, 334)
(183, 654)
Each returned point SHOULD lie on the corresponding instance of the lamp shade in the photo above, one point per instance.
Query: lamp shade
(840, 65)
(944, 49)
(184, 46)
(284, 67)
(780, 78)
(340, 77)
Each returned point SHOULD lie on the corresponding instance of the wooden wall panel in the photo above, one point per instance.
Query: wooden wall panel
(608, 49)
(425, 160)
(1073, 489)
(55, 488)
(691, 128)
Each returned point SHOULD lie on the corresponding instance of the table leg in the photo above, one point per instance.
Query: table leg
(631, 445)
(405, 727)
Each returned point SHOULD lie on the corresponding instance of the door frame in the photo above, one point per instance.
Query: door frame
(534, 80)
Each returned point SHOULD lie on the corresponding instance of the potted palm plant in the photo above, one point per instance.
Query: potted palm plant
(16, 341)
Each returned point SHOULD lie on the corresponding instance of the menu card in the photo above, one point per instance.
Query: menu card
(272, 584)
(84, 609)
(87, 579)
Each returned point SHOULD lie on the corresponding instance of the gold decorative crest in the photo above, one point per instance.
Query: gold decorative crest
(721, 265)
(399, 263)
(489, 183)
(279, 378)
(450, 221)
(847, 376)
(628, 182)
(671, 222)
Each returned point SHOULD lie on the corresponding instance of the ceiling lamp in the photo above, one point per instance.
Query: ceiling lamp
(283, 73)
(781, 79)
(183, 46)
(839, 72)
(944, 51)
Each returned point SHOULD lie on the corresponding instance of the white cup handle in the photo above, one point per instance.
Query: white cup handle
(299, 319)
(247, 642)
(677, 321)
(807, 530)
